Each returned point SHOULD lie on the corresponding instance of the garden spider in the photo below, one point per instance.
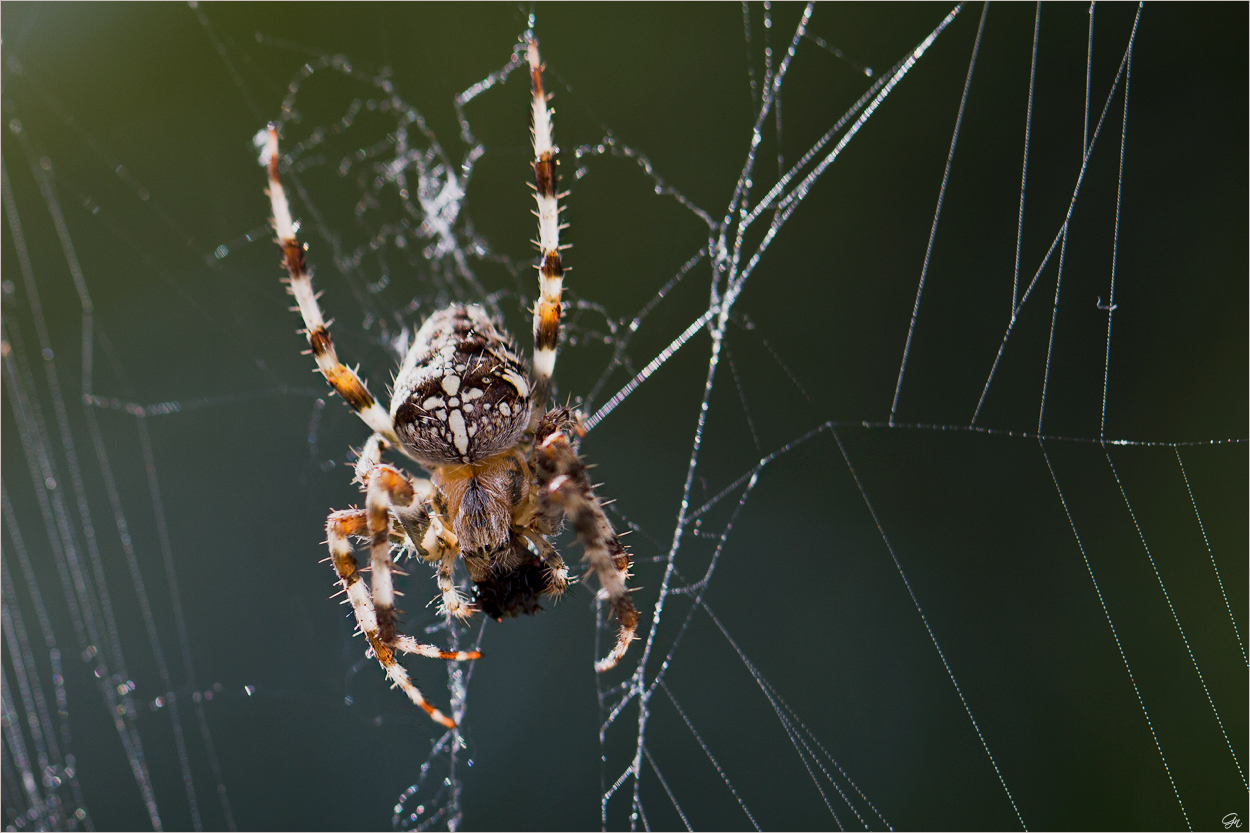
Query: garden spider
(504, 471)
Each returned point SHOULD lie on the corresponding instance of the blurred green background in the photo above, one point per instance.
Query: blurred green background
(140, 120)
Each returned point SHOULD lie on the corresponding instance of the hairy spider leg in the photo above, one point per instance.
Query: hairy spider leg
(550, 269)
(424, 528)
(557, 573)
(434, 541)
(386, 486)
(340, 526)
(562, 480)
(343, 379)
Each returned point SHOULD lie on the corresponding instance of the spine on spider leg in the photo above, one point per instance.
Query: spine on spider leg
(550, 269)
(563, 479)
(342, 378)
(340, 526)
(386, 487)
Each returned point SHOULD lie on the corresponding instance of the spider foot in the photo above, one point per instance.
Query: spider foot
(624, 636)
(457, 606)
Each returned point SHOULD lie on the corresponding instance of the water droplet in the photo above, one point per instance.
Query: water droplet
(249, 690)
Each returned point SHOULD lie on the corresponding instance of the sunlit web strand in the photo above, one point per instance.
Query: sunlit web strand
(937, 211)
(920, 426)
(80, 284)
(618, 351)
(1115, 235)
(877, 93)
(795, 740)
(1214, 566)
(1054, 318)
(788, 203)
(924, 619)
(735, 283)
(639, 687)
(663, 783)
(17, 749)
(73, 581)
(27, 673)
(709, 755)
(1125, 64)
(697, 589)
(610, 144)
(1062, 232)
(654, 365)
(778, 703)
(1114, 633)
(742, 189)
(178, 406)
(1167, 597)
(26, 676)
(42, 172)
(1024, 162)
(36, 443)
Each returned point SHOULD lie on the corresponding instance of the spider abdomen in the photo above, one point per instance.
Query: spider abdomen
(462, 394)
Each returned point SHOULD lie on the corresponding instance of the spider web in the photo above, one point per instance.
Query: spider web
(912, 344)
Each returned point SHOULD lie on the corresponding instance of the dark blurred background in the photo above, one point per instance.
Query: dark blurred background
(136, 121)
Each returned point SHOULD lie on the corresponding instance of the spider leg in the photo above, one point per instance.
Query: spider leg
(562, 480)
(557, 573)
(342, 378)
(550, 270)
(435, 542)
(340, 526)
(386, 487)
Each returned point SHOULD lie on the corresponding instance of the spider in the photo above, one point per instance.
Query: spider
(503, 469)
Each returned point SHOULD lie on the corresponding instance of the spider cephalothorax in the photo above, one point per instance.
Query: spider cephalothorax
(504, 471)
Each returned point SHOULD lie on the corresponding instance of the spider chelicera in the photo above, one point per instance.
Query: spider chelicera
(504, 470)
